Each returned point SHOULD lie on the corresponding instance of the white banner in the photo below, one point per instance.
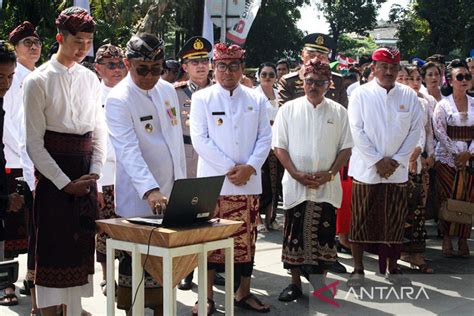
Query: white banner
(85, 4)
(207, 26)
(238, 34)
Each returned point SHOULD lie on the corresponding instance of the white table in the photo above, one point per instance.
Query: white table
(169, 292)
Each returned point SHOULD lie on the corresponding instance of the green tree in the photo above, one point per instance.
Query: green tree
(355, 47)
(349, 16)
(274, 34)
(427, 27)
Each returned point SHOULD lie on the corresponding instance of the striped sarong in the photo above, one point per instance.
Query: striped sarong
(445, 181)
(378, 212)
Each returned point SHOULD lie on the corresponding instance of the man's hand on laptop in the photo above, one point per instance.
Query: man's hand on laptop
(157, 201)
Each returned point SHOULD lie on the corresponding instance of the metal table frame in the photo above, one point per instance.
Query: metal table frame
(169, 292)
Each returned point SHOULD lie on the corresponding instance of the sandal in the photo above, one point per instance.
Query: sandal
(261, 228)
(243, 304)
(420, 264)
(211, 307)
(356, 279)
(9, 300)
(25, 290)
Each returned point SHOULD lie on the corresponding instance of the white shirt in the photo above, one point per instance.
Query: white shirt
(271, 105)
(63, 100)
(352, 87)
(383, 125)
(108, 170)
(14, 127)
(312, 137)
(230, 129)
(148, 143)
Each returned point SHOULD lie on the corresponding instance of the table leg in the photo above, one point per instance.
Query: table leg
(202, 282)
(137, 274)
(229, 279)
(110, 253)
(169, 298)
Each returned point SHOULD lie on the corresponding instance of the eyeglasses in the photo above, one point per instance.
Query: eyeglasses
(233, 67)
(199, 62)
(30, 42)
(319, 83)
(144, 71)
(461, 77)
(112, 66)
(270, 75)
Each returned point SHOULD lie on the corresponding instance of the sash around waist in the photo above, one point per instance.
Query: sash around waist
(64, 143)
(461, 133)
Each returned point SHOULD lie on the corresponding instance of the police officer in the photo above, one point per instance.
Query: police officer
(195, 62)
(291, 85)
(194, 57)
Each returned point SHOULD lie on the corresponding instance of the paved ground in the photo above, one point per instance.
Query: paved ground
(448, 292)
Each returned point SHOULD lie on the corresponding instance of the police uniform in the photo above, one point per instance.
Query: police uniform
(196, 48)
(290, 86)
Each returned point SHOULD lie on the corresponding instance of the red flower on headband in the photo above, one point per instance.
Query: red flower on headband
(226, 51)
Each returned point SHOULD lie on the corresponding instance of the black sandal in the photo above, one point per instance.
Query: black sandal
(211, 309)
(9, 300)
(243, 304)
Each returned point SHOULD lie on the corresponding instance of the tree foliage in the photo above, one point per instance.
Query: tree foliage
(427, 27)
(274, 34)
(356, 47)
(350, 16)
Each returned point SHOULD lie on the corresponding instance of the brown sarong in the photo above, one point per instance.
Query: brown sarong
(415, 232)
(308, 236)
(239, 208)
(16, 223)
(65, 223)
(378, 212)
(107, 212)
(445, 181)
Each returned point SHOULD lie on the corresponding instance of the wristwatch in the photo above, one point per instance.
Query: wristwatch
(331, 174)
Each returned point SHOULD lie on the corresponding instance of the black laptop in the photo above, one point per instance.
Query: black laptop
(192, 202)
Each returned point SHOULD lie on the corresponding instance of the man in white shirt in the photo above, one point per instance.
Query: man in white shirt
(231, 133)
(145, 130)
(386, 122)
(66, 140)
(312, 140)
(20, 233)
(111, 69)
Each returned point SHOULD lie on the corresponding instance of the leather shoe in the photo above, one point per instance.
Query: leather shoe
(337, 267)
(290, 293)
(185, 284)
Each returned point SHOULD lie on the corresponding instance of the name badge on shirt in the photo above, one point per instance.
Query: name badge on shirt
(403, 108)
(218, 113)
(146, 118)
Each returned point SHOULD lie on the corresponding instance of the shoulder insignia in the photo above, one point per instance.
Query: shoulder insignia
(180, 84)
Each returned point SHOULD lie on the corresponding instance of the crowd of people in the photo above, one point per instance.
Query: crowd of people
(367, 155)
